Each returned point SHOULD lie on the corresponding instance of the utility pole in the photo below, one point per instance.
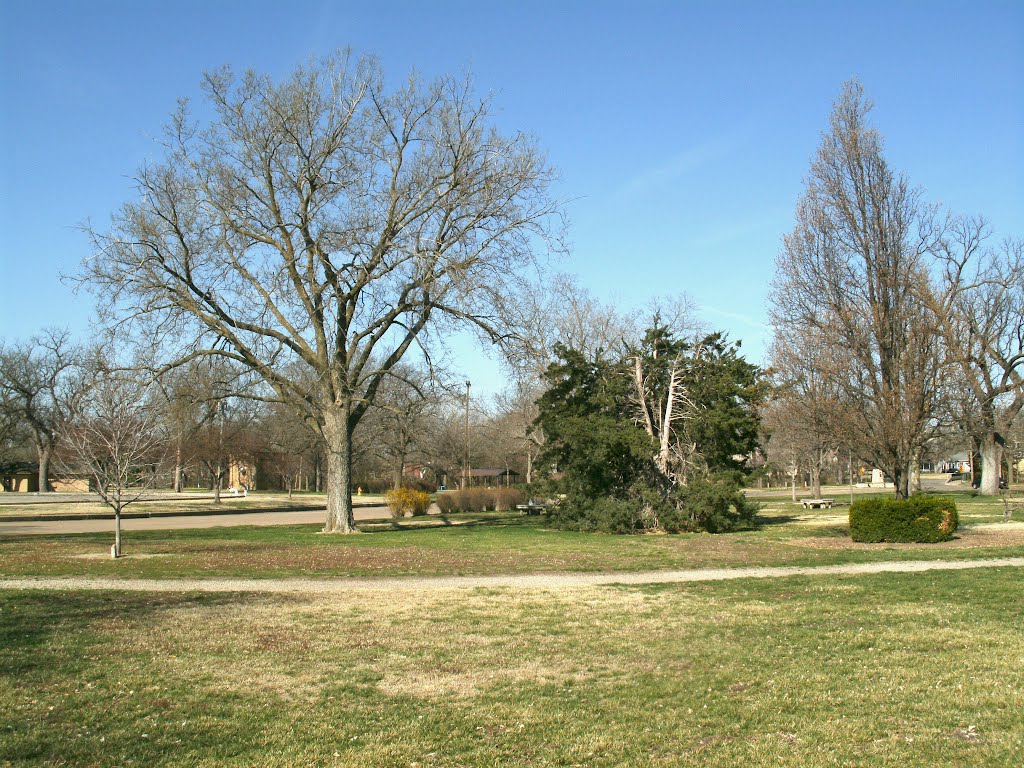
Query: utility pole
(851, 477)
(468, 471)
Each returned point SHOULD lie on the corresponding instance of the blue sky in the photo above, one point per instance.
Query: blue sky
(682, 131)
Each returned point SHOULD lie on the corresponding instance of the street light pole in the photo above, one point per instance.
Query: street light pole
(468, 470)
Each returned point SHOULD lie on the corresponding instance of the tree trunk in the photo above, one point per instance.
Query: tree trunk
(914, 471)
(218, 479)
(43, 454)
(991, 459)
(816, 481)
(900, 482)
(338, 439)
(117, 532)
(399, 470)
(177, 468)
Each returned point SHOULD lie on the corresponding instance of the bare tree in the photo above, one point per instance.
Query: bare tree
(978, 304)
(849, 271)
(405, 403)
(325, 225)
(40, 380)
(114, 441)
(805, 415)
(287, 444)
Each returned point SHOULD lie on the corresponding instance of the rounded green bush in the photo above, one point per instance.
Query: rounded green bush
(919, 519)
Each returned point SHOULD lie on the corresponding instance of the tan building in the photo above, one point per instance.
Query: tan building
(19, 477)
(23, 477)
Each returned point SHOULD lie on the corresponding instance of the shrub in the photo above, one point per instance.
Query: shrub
(919, 519)
(604, 515)
(479, 500)
(446, 501)
(407, 500)
(714, 505)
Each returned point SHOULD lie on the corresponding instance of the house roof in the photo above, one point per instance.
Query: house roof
(19, 468)
(485, 472)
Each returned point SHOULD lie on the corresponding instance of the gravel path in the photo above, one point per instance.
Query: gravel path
(526, 581)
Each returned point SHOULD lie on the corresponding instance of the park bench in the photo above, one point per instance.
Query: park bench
(532, 507)
(817, 503)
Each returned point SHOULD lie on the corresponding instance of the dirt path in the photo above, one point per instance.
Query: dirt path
(527, 581)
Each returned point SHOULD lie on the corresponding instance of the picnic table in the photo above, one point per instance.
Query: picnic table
(817, 503)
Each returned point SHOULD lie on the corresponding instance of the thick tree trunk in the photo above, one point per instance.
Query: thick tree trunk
(914, 472)
(991, 459)
(338, 459)
(816, 481)
(43, 454)
(901, 483)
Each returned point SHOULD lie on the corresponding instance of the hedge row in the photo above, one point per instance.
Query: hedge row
(479, 500)
(919, 519)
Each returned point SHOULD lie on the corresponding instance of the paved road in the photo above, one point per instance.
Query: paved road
(524, 581)
(192, 521)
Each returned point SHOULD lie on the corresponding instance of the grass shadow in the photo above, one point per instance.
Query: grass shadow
(437, 522)
(36, 622)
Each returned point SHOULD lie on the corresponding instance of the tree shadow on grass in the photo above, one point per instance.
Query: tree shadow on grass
(43, 629)
(764, 520)
(438, 522)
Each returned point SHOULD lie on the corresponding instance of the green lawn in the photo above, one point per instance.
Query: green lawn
(886, 669)
(489, 543)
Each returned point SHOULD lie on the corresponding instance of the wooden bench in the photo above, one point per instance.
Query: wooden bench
(817, 503)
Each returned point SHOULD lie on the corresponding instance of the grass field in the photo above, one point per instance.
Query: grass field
(883, 669)
(489, 543)
(923, 669)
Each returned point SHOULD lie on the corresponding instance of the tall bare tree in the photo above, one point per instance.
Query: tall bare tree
(40, 379)
(326, 225)
(849, 271)
(978, 303)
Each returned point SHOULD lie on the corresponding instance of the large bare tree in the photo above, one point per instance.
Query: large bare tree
(978, 304)
(849, 271)
(40, 380)
(325, 225)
